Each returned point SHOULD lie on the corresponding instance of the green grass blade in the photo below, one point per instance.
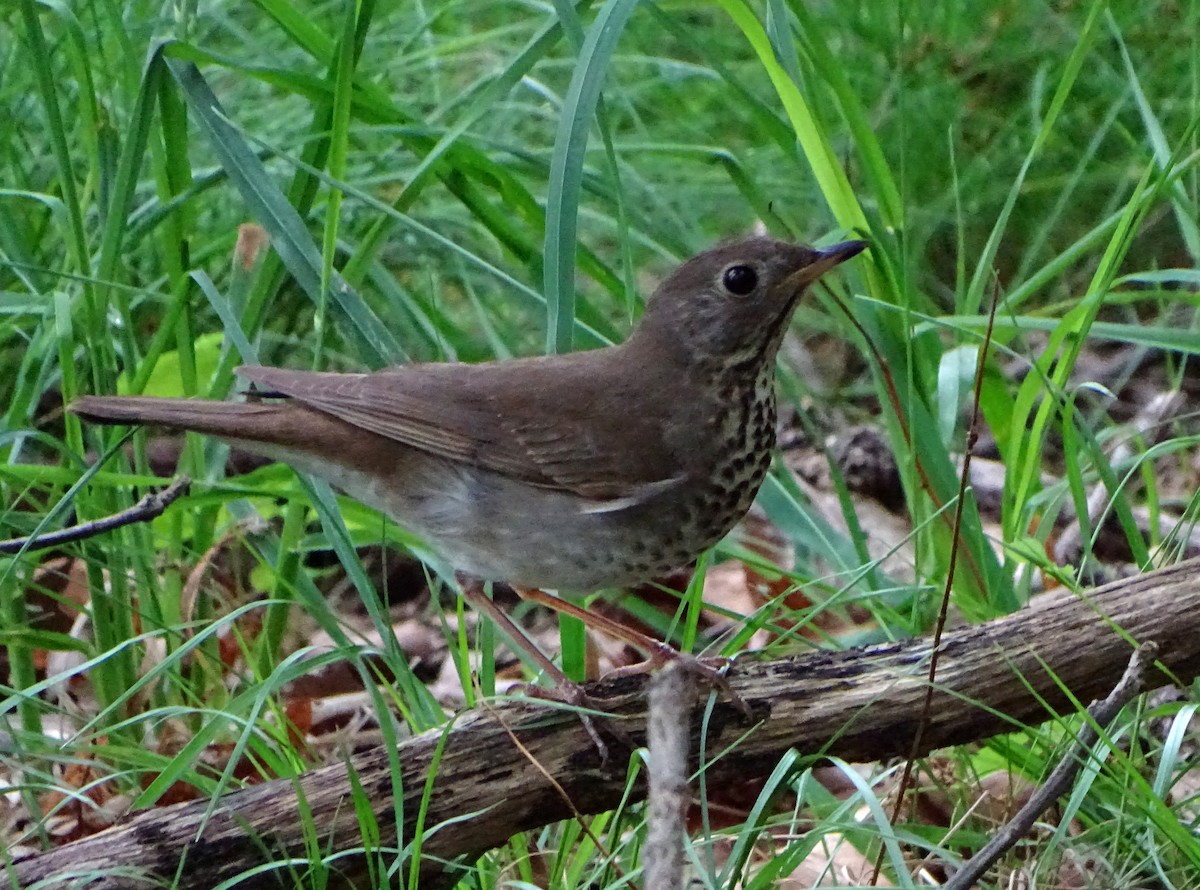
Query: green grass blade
(289, 236)
(566, 170)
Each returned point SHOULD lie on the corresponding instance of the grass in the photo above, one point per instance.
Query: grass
(473, 181)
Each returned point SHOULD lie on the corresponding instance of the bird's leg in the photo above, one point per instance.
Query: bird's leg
(473, 593)
(658, 652)
(565, 689)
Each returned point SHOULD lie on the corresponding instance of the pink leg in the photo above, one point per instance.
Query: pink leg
(659, 652)
(565, 689)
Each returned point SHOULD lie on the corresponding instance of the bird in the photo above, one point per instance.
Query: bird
(575, 472)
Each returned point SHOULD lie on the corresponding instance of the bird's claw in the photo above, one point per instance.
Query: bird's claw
(710, 670)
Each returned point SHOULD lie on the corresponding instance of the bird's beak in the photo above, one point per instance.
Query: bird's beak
(826, 258)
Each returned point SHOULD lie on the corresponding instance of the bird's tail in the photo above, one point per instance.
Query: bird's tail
(236, 420)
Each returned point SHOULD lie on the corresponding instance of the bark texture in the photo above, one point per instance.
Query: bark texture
(859, 705)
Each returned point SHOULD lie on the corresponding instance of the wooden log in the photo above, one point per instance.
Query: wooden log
(859, 705)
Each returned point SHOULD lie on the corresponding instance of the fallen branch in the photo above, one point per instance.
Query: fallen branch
(859, 705)
(1132, 684)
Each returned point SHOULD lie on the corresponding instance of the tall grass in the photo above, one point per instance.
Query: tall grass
(466, 181)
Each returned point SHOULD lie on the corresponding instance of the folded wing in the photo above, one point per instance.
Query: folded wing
(497, 417)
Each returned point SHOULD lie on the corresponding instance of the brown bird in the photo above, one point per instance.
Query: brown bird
(569, 472)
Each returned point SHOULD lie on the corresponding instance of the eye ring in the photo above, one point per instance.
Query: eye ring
(740, 280)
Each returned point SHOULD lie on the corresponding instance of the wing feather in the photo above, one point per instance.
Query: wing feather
(473, 414)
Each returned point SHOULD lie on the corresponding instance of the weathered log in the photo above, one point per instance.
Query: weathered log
(860, 705)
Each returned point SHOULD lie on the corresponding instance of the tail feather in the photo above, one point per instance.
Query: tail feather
(239, 420)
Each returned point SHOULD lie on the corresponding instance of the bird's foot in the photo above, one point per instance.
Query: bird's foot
(574, 696)
(709, 670)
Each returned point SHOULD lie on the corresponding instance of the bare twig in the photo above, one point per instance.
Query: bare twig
(1102, 713)
(580, 819)
(669, 730)
(889, 381)
(944, 611)
(149, 507)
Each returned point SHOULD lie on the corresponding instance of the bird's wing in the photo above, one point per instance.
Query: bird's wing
(552, 424)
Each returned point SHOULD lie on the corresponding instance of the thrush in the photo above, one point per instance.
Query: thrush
(574, 472)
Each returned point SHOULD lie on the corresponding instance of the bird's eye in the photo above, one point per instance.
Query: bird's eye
(740, 280)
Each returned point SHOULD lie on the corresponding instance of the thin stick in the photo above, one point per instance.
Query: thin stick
(149, 507)
(1102, 713)
(939, 626)
(579, 817)
(672, 694)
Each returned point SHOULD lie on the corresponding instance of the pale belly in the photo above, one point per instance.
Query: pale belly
(496, 529)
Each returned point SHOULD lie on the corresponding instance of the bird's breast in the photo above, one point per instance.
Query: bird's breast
(742, 439)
